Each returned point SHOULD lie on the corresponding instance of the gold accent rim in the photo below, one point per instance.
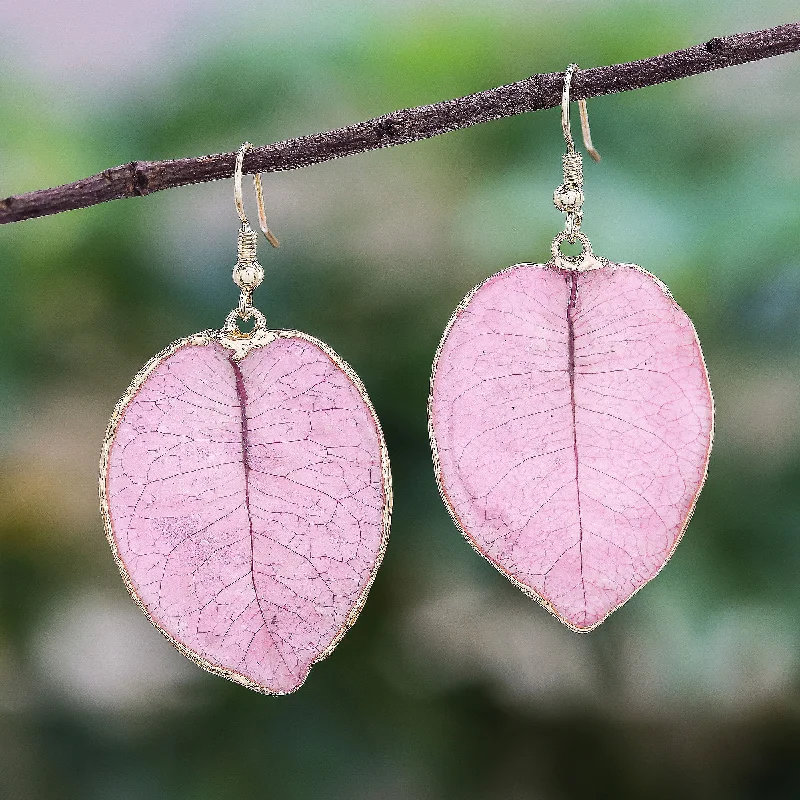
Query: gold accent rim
(524, 588)
(202, 339)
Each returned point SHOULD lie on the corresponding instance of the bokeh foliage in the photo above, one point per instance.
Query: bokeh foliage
(451, 684)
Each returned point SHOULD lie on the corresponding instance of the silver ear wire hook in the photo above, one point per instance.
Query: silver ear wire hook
(237, 196)
(569, 196)
(584, 114)
(248, 273)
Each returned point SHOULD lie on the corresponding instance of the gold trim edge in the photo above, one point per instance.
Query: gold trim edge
(242, 344)
(597, 262)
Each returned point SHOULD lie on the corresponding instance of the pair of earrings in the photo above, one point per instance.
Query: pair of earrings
(245, 483)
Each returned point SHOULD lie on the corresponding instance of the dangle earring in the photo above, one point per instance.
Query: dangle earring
(246, 492)
(571, 420)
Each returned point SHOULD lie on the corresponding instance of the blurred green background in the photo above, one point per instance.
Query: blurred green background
(452, 684)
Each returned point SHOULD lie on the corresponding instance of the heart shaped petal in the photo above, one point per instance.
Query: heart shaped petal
(247, 501)
(571, 422)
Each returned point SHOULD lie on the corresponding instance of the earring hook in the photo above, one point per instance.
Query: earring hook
(237, 196)
(584, 114)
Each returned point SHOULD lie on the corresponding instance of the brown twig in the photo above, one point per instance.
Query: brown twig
(409, 125)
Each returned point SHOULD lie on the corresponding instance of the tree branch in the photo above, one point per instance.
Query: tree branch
(400, 127)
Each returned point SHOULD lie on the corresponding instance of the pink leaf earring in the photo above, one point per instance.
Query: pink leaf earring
(571, 420)
(246, 492)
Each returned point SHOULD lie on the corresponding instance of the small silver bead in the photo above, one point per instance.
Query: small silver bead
(248, 275)
(566, 199)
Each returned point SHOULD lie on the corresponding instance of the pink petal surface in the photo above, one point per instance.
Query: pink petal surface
(572, 418)
(248, 505)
